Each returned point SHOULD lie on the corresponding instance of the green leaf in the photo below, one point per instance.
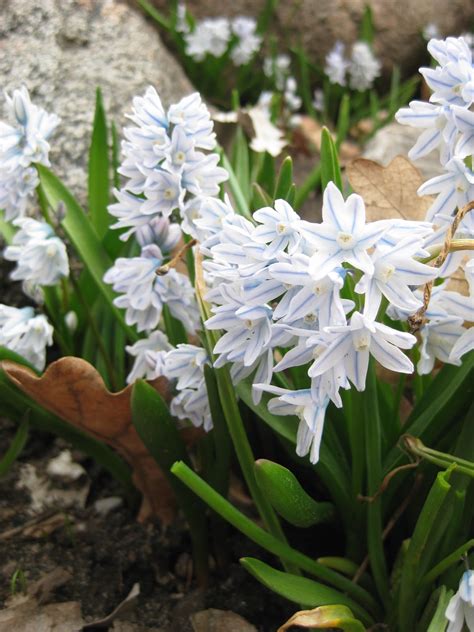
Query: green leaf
(6, 229)
(266, 176)
(330, 169)
(234, 186)
(99, 170)
(367, 26)
(426, 524)
(158, 431)
(343, 119)
(311, 183)
(300, 590)
(266, 540)
(439, 621)
(84, 239)
(240, 162)
(155, 14)
(288, 498)
(284, 179)
(260, 197)
(174, 328)
(16, 446)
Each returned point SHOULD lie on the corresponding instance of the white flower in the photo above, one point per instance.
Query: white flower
(464, 120)
(395, 270)
(267, 136)
(343, 235)
(192, 115)
(249, 41)
(15, 189)
(159, 231)
(364, 67)
(460, 609)
(318, 100)
(453, 81)
(455, 188)
(430, 31)
(203, 176)
(277, 68)
(182, 25)
(26, 334)
(210, 36)
(186, 364)
(292, 100)
(279, 228)
(27, 141)
(149, 354)
(439, 125)
(336, 65)
(193, 404)
(41, 256)
(438, 339)
(355, 342)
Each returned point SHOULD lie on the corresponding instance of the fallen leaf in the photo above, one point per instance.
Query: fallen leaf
(213, 620)
(324, 617)
(125, 606)
(389, 192)
(72, 389)
(26, 615)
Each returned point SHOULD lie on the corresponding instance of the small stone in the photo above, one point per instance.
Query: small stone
(104, 506)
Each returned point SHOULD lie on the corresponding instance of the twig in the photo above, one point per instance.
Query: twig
(386, 481)
(390, 524)
(162, 270)
(416, 320)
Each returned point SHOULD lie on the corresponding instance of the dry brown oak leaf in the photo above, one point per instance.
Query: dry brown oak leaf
(389, 192)
(73, 390)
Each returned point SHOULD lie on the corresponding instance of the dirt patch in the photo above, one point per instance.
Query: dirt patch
(107, 554)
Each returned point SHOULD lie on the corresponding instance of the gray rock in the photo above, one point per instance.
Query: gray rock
(63, 49)
(395, 140)
(317, 24)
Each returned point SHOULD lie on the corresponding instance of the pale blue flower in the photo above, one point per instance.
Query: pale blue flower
(336, 65)
(364, 67)
(26, 334)
(149, 354)
(279, 228)
(41, 256)
(192, 115)
(438, 339)
(343, 235)
(460, 608)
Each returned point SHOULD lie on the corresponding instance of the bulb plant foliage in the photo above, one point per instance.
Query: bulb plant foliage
(301, 343)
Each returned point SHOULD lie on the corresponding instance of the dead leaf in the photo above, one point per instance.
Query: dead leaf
(389, 192)
(72, 389)
(125, 606)
(26, 615)
(213, 620)
(43, 588)
(324, 617)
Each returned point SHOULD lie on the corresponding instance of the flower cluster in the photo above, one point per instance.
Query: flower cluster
(21, 144)
(165, 173)
(41, 256)
(25, 334)
(362, 66)
(217, 36)
(284, 285)
(447, 122)
(460, 609)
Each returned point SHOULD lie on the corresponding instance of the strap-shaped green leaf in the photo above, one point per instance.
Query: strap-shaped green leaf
(330, 169)
(300, 590)
(84, 239)
(99, 166)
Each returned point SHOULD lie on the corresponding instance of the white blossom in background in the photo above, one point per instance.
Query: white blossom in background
(278, 69)
(460, 609)
(336, 65)
(318, 100)
(210, 36)
(292, 100)
(26, 334)
(364, 67)
(182, 25)
(430, 31)
(268, 137)
(248, 40)
(149, 354)
(22, 143)
(41, 256)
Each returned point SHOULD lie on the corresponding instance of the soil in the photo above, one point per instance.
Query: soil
(107, 554)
